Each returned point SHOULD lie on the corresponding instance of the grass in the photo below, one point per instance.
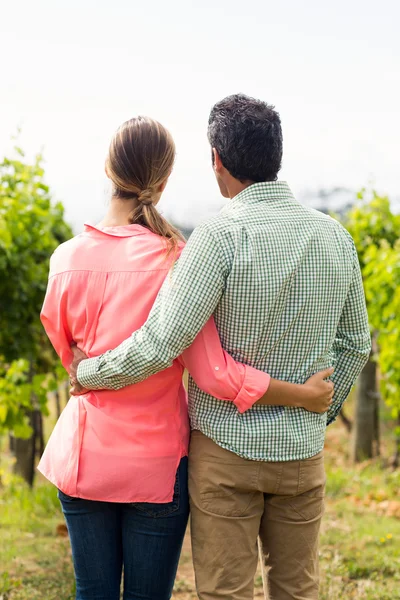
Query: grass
(35, 561)
(360, 542)
(360, 555)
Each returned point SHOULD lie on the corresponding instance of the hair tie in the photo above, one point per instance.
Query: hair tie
(146, 197)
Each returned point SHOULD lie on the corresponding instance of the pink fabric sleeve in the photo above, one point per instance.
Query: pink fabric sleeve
(53, 317)
(219, 375)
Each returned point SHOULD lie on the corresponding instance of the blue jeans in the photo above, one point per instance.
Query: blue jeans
(143, 539)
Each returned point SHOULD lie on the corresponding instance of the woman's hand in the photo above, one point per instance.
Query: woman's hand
(314, 395)
(317, 393)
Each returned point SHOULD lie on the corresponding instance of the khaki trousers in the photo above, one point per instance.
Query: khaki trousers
(234, 503)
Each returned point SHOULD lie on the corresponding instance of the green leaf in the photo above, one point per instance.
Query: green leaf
(3, 413)
(31, 228)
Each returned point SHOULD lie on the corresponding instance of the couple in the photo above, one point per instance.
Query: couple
(264, 300)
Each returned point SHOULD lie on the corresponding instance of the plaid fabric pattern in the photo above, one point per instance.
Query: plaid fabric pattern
(284, 284)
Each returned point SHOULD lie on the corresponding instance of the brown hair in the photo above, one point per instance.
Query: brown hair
(140, 159)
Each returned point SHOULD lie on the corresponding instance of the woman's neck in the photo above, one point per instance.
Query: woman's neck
(118, 213)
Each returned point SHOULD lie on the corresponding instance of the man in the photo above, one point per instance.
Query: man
(284, 284)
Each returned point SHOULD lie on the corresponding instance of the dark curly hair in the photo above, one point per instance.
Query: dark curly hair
(247, 135)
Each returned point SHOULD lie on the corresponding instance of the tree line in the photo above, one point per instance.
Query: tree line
(31, 228)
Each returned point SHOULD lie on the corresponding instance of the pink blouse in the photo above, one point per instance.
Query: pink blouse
(126, 445)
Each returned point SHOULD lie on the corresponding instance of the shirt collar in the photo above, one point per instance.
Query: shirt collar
(264, 191)
(120, 231)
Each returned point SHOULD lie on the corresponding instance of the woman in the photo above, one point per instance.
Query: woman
(119, 458)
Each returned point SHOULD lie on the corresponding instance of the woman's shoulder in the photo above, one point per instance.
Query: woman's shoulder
(66, 252)
(87, 251)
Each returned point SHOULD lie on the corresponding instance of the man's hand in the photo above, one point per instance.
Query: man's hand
(75, 387)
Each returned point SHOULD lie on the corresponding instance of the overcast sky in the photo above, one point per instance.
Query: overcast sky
(73, 71)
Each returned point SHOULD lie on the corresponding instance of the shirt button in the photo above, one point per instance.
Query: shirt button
(217, 368)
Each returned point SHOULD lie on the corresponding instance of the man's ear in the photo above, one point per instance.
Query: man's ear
(218, 166)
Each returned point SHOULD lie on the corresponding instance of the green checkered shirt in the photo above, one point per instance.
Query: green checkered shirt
(284, 284)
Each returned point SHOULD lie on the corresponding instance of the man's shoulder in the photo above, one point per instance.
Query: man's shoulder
(330, 223)
(219, 227)
(213, 224)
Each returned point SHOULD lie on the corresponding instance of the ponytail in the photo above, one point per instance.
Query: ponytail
(140, 160)
(147, 215)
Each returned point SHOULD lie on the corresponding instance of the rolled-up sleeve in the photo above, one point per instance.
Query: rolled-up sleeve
(215, 372)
